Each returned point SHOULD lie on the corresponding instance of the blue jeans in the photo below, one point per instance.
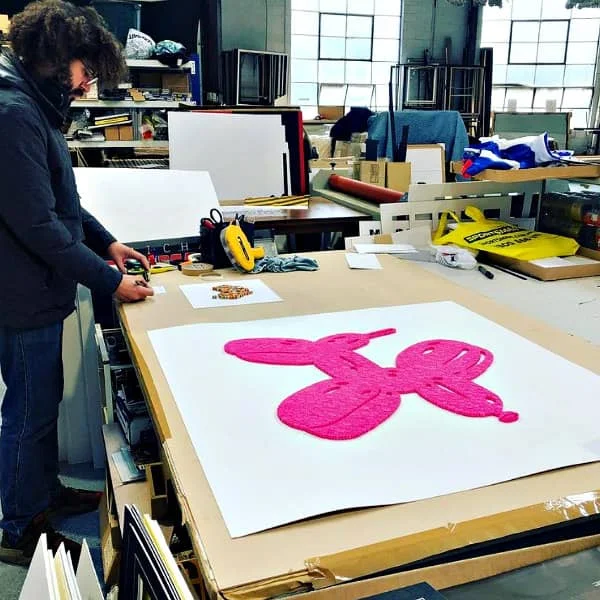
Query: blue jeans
(32, 369)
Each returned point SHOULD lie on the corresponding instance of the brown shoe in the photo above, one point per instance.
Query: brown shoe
(71, 501)
(21, 552)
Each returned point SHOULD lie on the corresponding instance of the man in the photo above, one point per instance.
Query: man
(48, 244)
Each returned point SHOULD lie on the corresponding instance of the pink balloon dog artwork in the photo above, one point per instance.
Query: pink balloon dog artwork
(360, 395)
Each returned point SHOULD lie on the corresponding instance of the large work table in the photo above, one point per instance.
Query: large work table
(331, 550)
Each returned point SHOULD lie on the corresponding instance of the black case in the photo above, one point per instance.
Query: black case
(211, 247)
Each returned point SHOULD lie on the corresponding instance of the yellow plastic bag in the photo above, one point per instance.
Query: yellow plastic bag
(501, 238)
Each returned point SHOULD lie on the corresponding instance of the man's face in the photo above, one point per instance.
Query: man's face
(82, 79)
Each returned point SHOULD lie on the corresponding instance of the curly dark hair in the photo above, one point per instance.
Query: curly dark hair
(49, 34)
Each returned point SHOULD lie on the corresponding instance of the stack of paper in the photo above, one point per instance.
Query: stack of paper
(53, 577)
(384, 248)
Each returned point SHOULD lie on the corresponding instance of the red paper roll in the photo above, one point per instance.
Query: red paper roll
(366, 191)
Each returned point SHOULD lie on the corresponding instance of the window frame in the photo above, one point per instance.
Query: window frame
(346, 15)
(537, 42)
(504, 79)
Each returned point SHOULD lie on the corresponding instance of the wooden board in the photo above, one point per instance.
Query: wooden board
(535, 174)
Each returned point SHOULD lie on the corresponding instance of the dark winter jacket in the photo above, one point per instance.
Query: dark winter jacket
(48, 243)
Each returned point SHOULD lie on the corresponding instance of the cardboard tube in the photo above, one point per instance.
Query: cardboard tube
(366, 191)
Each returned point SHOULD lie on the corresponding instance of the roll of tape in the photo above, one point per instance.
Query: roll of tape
(195, 269)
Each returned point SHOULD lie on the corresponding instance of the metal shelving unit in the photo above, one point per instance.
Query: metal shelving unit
(157, 104)
(440, 87)
(144, 69)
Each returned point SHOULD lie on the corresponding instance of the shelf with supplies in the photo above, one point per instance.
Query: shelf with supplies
(134, 115)
(157, 104)
(135, 473)
(136, 63)
(136, 144)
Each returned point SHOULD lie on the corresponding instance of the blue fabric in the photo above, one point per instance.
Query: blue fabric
(520, 153)
(426, 127)
(280, 264)
(524, 152)
(31, 363)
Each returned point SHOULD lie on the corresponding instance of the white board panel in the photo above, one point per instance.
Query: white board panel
(140, 205)
(242, 153)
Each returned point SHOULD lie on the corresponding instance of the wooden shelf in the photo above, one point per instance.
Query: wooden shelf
(158, 104)
(136, 63)
(136, 492)
(153, 144)
(319, 122)
(572, 171)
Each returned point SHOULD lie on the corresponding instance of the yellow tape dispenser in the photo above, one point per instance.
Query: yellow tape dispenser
(238, 249)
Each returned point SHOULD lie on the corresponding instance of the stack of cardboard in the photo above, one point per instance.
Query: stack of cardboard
(116, 127)
(425, 163)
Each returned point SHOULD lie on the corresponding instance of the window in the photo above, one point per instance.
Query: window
(342, 51)
(345, 36)
(544, 54)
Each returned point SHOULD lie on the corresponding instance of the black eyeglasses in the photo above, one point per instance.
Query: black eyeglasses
(89, 73)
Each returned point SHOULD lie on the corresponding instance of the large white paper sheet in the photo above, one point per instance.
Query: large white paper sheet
(242, 153)
(202, 295)
(139, 205)
(362, 261)
(264, 474)
(39, 582)
(87, 578)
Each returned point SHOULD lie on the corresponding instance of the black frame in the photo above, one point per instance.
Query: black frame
(141, 561)
(346, 15)
(272, 77)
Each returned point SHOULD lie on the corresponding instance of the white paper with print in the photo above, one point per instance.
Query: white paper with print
(420, 450)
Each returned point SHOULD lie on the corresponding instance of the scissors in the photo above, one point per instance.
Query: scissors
(214, 219)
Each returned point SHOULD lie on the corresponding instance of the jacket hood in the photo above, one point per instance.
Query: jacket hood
(13, 75)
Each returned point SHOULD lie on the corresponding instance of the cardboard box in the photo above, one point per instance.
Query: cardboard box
(536, 174)
(126, 133)
(455, 573)
(331, 113)
(570, 269)
(110, 537)
(373, 171)
(177, 83)
(398, 176)
(149, 79)
(111, 134)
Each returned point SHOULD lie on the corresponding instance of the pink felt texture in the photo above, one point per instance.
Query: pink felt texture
(360, 395)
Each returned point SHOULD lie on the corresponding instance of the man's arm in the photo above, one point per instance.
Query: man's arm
(96, 236)
(27, 205)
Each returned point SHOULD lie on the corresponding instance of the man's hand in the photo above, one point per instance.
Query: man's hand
(132, 289)
(119, 252)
